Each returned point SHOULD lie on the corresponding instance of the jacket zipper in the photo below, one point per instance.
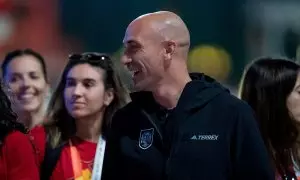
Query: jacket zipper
(154, 125)
(167, 166)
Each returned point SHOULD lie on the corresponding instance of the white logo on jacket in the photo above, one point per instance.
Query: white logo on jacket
(146, 138)
(212, 137)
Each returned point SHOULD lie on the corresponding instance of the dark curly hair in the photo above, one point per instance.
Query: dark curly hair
(8, 120)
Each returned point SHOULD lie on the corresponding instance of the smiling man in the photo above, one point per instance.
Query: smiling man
(179, 125)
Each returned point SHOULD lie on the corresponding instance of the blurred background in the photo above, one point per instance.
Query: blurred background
(225, 35)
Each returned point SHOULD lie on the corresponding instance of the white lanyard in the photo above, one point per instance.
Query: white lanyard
(99, 157)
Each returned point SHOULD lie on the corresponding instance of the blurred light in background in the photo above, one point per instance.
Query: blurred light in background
(225, 35)
(211, 60)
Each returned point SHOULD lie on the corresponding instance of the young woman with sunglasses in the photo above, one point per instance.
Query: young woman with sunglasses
(81, 108)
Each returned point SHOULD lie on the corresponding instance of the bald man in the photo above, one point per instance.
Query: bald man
(179, 126)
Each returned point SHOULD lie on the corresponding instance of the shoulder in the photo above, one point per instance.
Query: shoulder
(232, 103)
(19, 153)
(236, 112)
(239, 106)
(129, 108)
(17, 141)
(242, 114)
(16, 136)
(128, 118)
(140, 100)
(127, 111)
(124, 114)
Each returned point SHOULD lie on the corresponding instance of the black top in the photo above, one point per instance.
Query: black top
(210, 135)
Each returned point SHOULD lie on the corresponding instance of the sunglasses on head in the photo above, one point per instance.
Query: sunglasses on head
(93, 58)
(89, 57)
(289, 177)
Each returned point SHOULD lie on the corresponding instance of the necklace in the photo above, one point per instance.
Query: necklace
(98, 160)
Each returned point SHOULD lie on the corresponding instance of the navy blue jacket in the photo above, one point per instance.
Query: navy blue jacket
(210, 135)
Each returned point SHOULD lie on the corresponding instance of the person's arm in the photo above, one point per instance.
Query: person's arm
(251, 160)
(20, 158)
(112, 165)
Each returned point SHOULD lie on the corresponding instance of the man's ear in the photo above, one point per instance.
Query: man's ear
(170, 47)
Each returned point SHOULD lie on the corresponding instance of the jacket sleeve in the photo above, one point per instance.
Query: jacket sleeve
(113, 163)
(251, 160)
(19, 157)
